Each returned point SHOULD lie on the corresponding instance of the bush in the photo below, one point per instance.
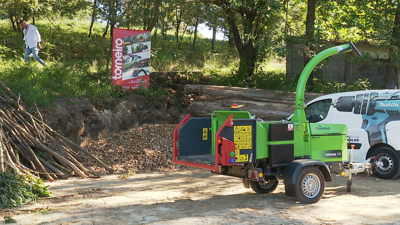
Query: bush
(328, 86)
(17, 189)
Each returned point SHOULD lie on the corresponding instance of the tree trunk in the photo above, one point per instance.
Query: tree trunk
(247, 60)
(178, 16)
(13, 23)
(231, 43)
(113, 21)
(144, 18)
(214, 36)
(93, 17)
(264, 110)
(129, 13)
(154, 38)
(109, 58)
(17, 24)
(105, 32)
(109, 55)
(310, 24)
(154, 17)
(112, 28)
(392, 69)
(246, 49)
(196, 25)
(266, 104)
(164, 31)
(183, 34)
(237, 92)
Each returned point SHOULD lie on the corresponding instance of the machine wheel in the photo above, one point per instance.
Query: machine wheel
(390, 159)
(264, 187)
(349, 183)
(310, 185)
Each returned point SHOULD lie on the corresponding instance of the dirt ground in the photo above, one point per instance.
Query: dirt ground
(199, 197)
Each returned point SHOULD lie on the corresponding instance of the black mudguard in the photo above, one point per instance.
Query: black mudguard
(293, 171)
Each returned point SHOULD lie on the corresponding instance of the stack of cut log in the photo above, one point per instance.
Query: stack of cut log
(265, 104)
(29, 146)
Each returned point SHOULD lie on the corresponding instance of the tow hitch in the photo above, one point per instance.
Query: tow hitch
(351, 167)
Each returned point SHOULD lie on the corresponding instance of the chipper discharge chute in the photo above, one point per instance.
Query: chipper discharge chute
(236, 144)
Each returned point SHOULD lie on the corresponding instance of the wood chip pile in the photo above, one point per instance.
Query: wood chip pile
(29, 146)
(144, 149)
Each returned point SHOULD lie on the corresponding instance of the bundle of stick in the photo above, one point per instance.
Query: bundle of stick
(29, 146)
(266, 104)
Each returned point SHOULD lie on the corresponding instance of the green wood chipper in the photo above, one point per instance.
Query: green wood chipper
(235, 143)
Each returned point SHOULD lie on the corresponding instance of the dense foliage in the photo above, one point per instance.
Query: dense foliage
(17, 189)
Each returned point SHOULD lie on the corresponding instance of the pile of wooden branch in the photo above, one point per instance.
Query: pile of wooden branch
(29, 146)
(266, 104)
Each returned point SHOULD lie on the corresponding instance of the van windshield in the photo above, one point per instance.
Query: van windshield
(318, 111)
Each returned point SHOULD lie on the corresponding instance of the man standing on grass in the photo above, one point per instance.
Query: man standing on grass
(32, 41)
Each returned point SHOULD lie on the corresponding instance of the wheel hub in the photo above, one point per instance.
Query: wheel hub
(387, 163)
(311, 185)
(267, 184)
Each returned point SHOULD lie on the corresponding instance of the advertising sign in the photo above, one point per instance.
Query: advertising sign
(131, 58)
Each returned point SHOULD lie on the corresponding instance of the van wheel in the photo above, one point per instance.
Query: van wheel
(390, 160)
(310, 185)
(264, 187)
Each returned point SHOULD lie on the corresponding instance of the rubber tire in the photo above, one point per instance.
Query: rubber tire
(390, 154)
(349, 183)
(264, 189)
(313, 174)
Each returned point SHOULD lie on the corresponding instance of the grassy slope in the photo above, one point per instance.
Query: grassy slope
(77, 64)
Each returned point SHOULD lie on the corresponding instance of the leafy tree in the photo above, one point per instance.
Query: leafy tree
(371, 21)
(392, 75)
(252, 24)
(32, 9)
(295, 12)
(111, 11)
(198, 14)
(16, 10)
(214, 19)
(94, 14)
(141, 14)
(309, 35)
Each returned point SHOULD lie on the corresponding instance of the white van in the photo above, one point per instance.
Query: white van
(373, 122)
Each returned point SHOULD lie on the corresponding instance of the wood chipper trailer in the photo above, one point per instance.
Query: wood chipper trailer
(235, 143)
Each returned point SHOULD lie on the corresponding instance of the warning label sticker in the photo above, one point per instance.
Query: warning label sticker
(205, 134)
(243, 158)
(243, 129)
(243, 139)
